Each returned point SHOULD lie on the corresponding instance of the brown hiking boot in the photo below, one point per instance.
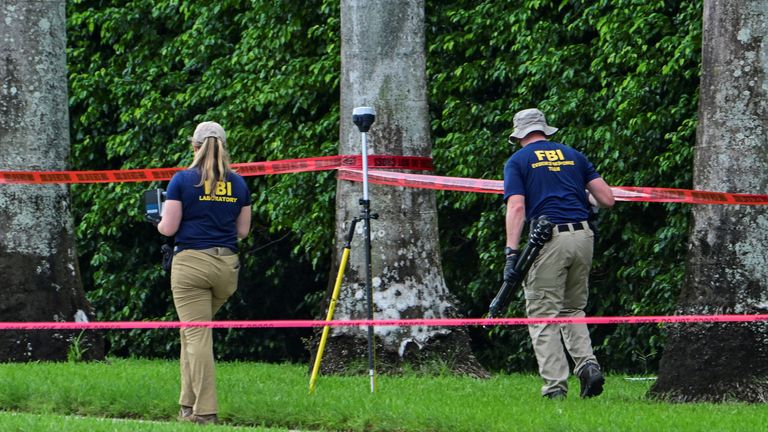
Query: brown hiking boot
(204, 419)
(185, 413)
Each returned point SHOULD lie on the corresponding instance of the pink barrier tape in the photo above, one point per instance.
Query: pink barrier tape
(436, 322)
(621, 193)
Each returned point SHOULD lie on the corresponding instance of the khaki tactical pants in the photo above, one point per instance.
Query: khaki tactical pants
(557, 286)
(201, 284)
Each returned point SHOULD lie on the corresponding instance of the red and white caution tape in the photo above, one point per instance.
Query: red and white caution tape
(621, 193)
(349, 168)
(245, 169)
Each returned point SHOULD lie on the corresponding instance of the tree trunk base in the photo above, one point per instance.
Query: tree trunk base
(51, 345)
(707, 363)
(348, 355)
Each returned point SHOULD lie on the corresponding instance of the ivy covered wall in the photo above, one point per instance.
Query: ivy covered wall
(620, 78)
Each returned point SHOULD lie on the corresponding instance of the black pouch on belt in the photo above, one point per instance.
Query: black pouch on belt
(167, 251)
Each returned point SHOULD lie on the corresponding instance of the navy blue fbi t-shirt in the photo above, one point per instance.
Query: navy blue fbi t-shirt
(208, 221)
(553, 177)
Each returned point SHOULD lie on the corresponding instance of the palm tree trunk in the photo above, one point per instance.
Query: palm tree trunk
(727, 265)
(41, 280)
(383, 66)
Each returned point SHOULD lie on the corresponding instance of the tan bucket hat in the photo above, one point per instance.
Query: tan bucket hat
(529, 120)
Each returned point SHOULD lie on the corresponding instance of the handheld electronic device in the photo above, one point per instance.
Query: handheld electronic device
(153, 204)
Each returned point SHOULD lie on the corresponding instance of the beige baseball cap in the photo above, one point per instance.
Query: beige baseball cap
(529, 120)
(209, 129)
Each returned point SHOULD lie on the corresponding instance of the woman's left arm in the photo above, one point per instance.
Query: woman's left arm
(243, 222)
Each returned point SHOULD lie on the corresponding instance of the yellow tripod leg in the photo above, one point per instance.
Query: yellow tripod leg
(329, 317)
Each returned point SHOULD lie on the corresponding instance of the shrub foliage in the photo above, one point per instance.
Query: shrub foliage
(620, 78)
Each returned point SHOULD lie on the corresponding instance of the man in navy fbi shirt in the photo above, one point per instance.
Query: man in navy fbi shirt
(546, 178)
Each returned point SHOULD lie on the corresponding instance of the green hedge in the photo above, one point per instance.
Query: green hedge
(620, 78)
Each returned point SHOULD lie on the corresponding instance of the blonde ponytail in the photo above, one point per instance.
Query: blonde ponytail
(212, 160)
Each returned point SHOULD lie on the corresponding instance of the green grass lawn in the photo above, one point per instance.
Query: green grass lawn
(276, 396)
(23, 422)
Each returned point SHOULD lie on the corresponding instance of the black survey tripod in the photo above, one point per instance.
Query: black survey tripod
(363, 117)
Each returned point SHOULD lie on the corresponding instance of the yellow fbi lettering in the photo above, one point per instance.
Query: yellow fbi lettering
(552, 159)
(222, 188)
(223, 192)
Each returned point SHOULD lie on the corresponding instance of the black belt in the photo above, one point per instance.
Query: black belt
(578, 226)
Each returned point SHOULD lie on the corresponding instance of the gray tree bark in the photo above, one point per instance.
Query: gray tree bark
(383, 66)
(727, 263)
(41, 280)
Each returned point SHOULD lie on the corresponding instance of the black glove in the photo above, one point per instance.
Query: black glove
(509, 267)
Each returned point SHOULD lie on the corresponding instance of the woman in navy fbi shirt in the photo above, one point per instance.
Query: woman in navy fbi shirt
(207, 209)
